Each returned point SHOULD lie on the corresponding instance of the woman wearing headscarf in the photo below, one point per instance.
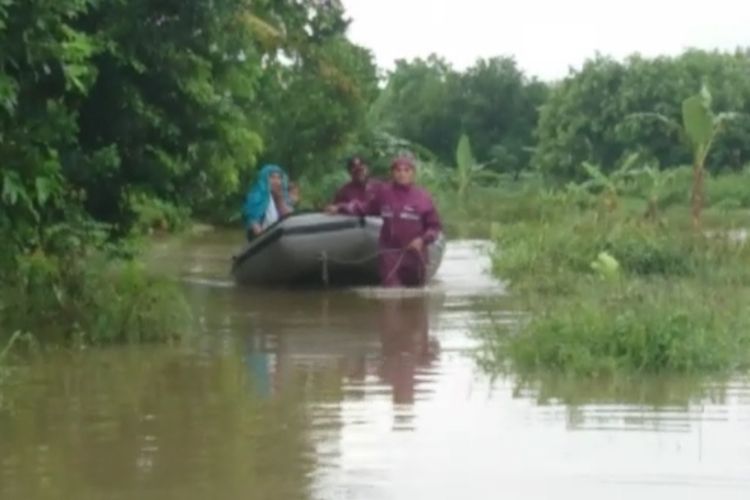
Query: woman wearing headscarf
(410, 223)
(268, 200)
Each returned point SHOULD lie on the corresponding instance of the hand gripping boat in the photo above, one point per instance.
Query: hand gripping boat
(315, 249)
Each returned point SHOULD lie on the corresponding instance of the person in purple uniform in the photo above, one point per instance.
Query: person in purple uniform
(410, 223)
(361, 187)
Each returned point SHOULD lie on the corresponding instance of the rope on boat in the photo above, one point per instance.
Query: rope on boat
(325, 260)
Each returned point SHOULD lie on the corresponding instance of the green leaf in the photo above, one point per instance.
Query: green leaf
(698, 122)
(14, 193)
(464, 156)
(596, 174)
(606, 265)
(8, 93)
(44, 189)
(12, 188)
(75, 77)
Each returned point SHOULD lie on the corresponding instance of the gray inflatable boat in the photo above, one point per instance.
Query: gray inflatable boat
(315, 249)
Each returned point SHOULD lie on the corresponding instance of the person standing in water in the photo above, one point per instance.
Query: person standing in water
(361, 187)
(268, 200)
(410, 223)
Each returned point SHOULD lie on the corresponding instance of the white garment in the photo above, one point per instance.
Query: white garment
(272, 215)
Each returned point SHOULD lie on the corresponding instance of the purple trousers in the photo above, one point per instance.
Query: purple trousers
(407, 268)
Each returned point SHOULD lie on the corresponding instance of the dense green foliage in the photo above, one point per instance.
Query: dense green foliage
(493, 102)
(83, 290)
(592, 115)
(605, 115)
(115, 105)
(136, 114)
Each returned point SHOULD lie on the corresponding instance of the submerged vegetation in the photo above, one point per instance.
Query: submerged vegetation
(76, 287)
(645, 326)
(607, 290)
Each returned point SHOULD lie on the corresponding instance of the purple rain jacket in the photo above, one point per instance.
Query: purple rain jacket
(408, 213)
(355, 191)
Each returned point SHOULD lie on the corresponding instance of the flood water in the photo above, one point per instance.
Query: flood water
(356, 394)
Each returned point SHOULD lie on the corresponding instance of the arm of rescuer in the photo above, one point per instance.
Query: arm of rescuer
(432, 228)
(432, 225)
(370, 207)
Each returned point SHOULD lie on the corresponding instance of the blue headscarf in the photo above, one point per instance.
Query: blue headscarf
(259, 196)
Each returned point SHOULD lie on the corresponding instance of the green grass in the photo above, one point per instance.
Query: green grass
(650, 326)
(551, 256)
(82, 293)
(675, 304)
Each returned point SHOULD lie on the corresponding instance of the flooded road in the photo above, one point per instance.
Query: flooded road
(357, 394)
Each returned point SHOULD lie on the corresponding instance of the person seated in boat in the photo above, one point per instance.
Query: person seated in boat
(268, 200)
(410, 223)
(361, 187)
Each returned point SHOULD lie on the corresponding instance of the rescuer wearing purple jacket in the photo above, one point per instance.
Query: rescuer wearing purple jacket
(410, 223)
(361, 187)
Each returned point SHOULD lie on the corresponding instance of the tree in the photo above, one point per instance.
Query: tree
(584, 118)
(499, 111)
(122, 106)
(316, 106)
(431, 104)
(168, 114)
(45, 68)
(422, 104)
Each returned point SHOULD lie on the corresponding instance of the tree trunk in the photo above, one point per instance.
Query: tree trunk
(697, 195)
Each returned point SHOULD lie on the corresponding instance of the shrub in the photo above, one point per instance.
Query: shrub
(729, 191)
(644, 326)
(153, 214)
(76, 287)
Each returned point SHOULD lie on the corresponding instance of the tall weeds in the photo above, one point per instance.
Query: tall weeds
(676, 303)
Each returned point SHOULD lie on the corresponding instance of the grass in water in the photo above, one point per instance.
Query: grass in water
(674, 303)
(650, 326)
(91, 301)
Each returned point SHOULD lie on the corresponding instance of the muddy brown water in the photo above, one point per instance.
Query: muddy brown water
(354, 394)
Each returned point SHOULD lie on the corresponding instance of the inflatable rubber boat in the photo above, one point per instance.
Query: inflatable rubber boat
(316, 249)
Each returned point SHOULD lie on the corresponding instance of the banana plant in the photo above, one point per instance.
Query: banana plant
(468, 171)
(658, 181)
(699, 129)
(613, 184)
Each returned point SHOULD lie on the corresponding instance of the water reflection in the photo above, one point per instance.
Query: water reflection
(656, 403)
(151, 423)
(406, 345)
(388, 339)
